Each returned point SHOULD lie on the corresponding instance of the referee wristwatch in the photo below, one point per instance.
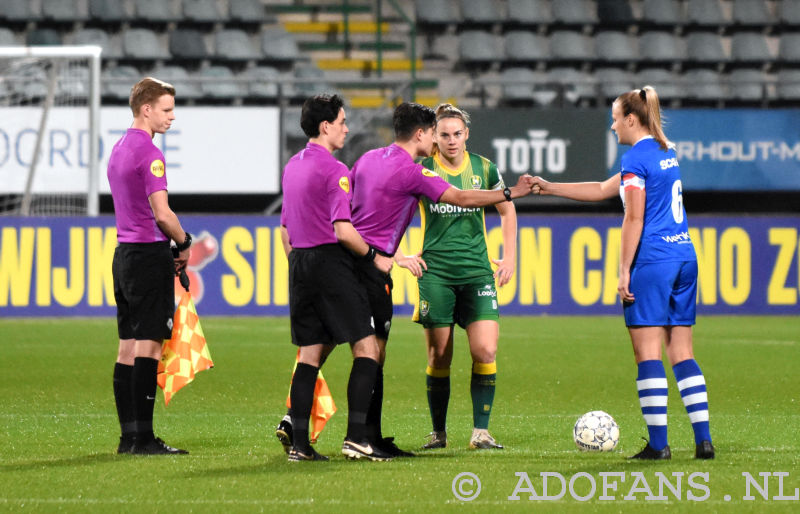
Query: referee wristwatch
(185, 244)
(507, 194)
(370, 255)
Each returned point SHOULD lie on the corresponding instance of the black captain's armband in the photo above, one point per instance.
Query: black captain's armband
(186, 243)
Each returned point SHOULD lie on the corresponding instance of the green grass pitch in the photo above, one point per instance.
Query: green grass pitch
(59, 428)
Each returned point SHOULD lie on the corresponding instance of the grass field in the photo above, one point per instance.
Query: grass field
(59, 428)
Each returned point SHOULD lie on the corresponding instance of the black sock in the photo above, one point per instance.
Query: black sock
(376, 407)
(144, 395)
(302, 397)
(123, 397)
(359, 394)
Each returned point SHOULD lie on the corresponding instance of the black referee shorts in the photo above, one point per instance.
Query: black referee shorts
(144, 289)
(327, 303)
(379, 292)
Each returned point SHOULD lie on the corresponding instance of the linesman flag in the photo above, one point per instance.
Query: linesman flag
(322, 409)
(186, 353)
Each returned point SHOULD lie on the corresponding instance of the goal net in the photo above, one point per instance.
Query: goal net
(49, 130)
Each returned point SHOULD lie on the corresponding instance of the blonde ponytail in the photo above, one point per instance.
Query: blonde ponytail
(644, 104)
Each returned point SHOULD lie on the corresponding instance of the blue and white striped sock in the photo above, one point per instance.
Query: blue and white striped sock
(652, 385)
(692, 385)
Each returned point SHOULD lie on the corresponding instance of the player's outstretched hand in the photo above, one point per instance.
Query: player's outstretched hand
(505, 270)
(522, 187)
(413, 263)
(541, 186)
(383, 263)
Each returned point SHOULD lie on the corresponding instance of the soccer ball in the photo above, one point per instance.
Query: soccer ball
(596, 431)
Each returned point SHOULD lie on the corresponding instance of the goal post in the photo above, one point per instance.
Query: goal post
(50, 130)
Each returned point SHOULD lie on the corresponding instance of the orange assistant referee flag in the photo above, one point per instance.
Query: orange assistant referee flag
(322, 409)
(186, 353)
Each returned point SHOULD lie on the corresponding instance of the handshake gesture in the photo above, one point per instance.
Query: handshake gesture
(531, 185)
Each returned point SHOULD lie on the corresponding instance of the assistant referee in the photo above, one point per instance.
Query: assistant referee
(144, 267)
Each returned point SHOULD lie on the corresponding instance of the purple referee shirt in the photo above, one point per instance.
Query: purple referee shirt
(387, 185)
(316, 192)
(135, 171)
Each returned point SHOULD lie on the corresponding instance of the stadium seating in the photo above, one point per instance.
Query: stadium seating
(523, 46)
(661, 48)
(750, 49)
(43, 37)
(261, 82)
(187, 44)
(612, 82)
(661, 14)
(481, 12)
(477, 48)
(236, 45)
(789, 13)
(278, 45)
(185, 88)
(518, 85)
(748, 85)
(705, 14)
(21, 11)
(751, 14)
(787, 87)
(142, 44)
(789, 49)
(615, 13)
(574, 12)
(108, 11)
(529, 13)
(111, 45)
(615, 47)
(704, 49)
(202, 12)
(7, 37)
(436, 13)
(117, 81)
(156, 12)
(220, 83)
(63, 11)
(612, 42)
(704, 86)
(567, 46)
(669, 85)
(244, 13)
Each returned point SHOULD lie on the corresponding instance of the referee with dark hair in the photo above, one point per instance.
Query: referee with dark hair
(327, 303)
(144, 267)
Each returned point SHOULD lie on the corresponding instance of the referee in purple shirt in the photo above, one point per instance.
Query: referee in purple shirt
(327, 304)
(143, 268)
(385, 185)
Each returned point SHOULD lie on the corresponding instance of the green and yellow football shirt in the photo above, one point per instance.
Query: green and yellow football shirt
(454, 244)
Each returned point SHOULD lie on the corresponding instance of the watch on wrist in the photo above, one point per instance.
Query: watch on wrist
(370, 255)
(507, 194)
(186, 243)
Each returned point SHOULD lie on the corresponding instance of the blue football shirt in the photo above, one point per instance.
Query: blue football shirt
(665, 235)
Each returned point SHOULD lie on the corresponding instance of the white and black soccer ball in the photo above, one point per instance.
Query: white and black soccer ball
(596, 431)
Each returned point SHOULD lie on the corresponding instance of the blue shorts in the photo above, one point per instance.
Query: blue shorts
(665, 293)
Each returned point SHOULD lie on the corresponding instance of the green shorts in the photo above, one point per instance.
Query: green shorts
(441, 304)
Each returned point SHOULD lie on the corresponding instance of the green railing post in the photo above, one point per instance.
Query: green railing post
(378, 42)
(346, 23)
(413, 29)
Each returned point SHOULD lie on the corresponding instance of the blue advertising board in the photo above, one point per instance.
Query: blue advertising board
(566, 265)
(731, 149)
